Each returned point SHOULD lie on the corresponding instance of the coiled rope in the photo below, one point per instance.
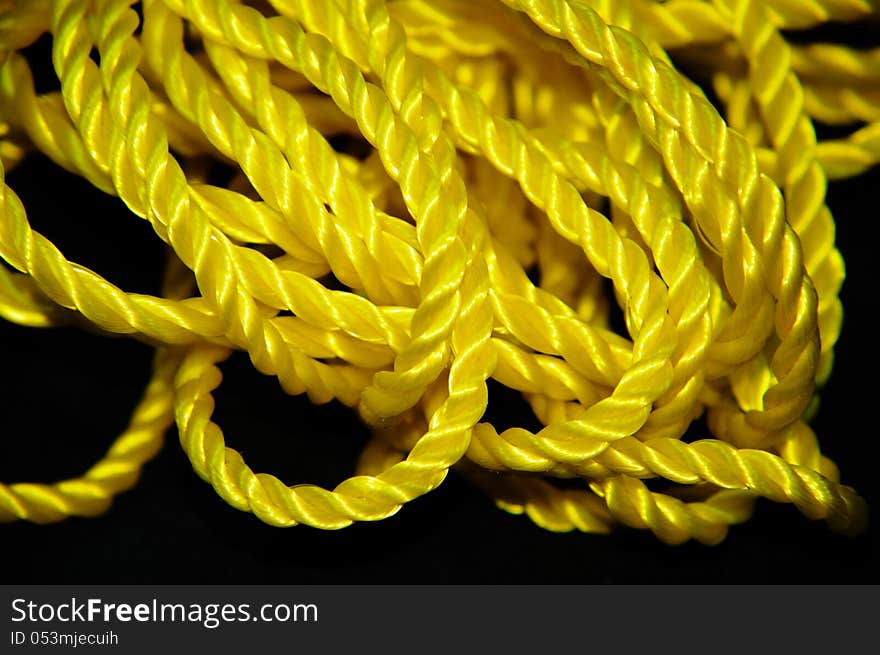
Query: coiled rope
(504, 174)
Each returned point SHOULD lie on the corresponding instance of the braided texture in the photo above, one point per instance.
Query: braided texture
(426, 195)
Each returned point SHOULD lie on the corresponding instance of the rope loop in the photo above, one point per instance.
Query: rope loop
(423, 195)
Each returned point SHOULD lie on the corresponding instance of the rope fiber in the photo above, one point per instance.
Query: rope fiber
(424, 195)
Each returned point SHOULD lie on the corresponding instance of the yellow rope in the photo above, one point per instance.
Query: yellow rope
(517, 155)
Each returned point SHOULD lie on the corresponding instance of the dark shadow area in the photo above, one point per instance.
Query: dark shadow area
(288, 436)
(863, 34)
(89, 227)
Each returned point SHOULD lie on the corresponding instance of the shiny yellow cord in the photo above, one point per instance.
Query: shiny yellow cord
(504, 165)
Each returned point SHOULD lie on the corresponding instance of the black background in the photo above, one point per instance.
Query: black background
(66, 393)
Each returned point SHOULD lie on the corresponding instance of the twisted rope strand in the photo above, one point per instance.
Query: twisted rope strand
(426, 195)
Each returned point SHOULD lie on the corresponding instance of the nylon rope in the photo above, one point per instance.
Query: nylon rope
(429, 194)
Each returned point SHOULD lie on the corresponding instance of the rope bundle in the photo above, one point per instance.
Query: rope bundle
(430, 193)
